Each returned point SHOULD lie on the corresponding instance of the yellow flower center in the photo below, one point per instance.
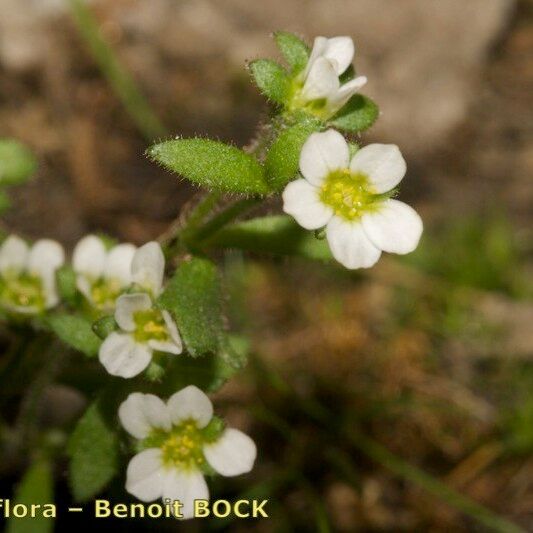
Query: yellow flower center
(23, 290)
(350, 194)
(183, 446)
(104, 293)
(150, 325)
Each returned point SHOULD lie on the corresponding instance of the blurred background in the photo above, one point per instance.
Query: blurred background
(370, 394)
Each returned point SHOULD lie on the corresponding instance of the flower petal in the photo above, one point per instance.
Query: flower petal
(322, 153)
(321, 81)
(319, 47)
(185, 486)
(232, 454)
(190, 402)
(13, 255)
(349, 244)
(122, 356)
(148, 267)
(395, 228)
(145, 475)
(382, 163)
(340, 50)
(89, 256)
(336, 101)
(301, 201)
(127, 305)
(118, 263)
(45, 257)
(140, 413)
(174, 344)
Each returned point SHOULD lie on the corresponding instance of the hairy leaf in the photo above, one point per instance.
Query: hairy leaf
(211, 164)
(17, 163)
(279, 235)
(36, 487)
(283, 158)
(77, 332)
(294, 50)
(357, 115)
(271, 79)
(194, 299)
(94, 450)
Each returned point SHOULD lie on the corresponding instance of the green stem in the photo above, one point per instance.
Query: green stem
(222, 218)
(119, 78)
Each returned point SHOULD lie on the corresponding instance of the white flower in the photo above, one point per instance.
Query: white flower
(143, 327)
(101, 274)
(182, 441)
(28, 274)
(321, 89)
(347, 196)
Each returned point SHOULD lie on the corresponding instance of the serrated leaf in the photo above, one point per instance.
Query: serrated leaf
(271, 79)
(212, 164)
(357, 115)
(94, 450)
(278, 235)
(193, 297)
(76, 332)
(36, 487)
(282, 161)
(17, 163)
(294, 50)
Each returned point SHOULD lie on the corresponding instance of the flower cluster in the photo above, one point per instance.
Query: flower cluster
(116, 301)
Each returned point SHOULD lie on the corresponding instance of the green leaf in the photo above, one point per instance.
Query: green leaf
(193, 297)
(36, 487)
(66, 284)
(357, 115)
(76, 332)
(94, 450)
(294, 50)
(17, 163)
(278, 235)
(271, 79)
(104, 326)
(209, 372)
(282, 161)
(211, 164)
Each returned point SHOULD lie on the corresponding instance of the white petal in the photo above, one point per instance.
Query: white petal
(341, 51)
(349, 244)
(127, 305)
(140, 413)
(322, 153)
(382, 163)
(301, 201)
(145, 475)
(89, 256)
(319, 47)
(345, 92)
(46, 256)
(190, 402)
(395, 228)
(13, 255)
(122, 356)
(185, 486)
(51, 295)
(174, 344)
(172, 329)
(118, 263)
(233, 454)
(148, 267)
(321, 81)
